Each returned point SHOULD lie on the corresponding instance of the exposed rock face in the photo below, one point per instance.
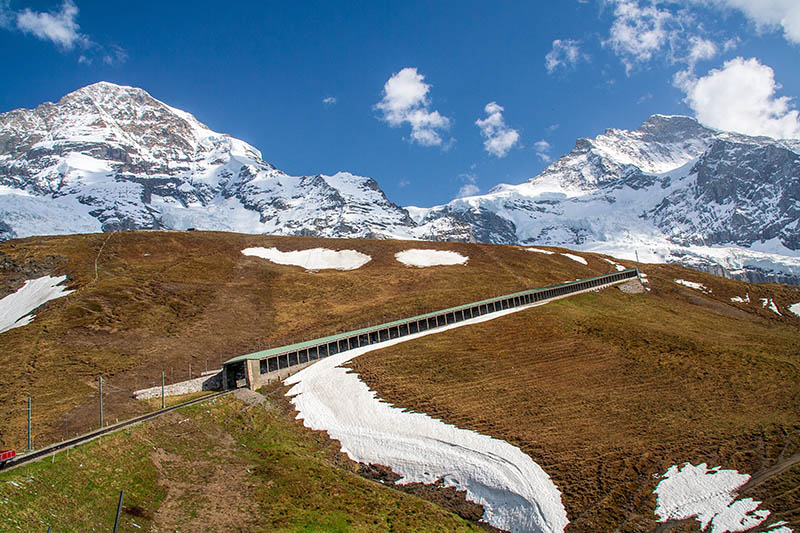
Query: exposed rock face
(112, 158)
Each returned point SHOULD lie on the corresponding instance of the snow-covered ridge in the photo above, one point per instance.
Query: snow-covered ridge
(115, 158)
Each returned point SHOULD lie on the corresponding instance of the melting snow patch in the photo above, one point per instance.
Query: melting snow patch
(739, 299)
(619, 267)
(15, 308)
(694, 285)
(708, 496)
(772, 307)
(428, 258)
(312, 259)
(795, 308)
(540, 251)
(577, 258)
(517, 495)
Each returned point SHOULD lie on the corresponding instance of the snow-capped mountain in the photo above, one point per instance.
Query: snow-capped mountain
(671, 191)
(108, 158)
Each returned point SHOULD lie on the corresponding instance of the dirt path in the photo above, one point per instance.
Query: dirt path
(209, 488)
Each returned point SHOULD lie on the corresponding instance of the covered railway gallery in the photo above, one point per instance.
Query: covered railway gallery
(256, 369)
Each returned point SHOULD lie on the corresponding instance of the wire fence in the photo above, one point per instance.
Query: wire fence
(31, 424)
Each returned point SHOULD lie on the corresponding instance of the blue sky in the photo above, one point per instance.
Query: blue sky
(432, 99)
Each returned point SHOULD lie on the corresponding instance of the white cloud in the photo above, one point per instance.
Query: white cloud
(700, 50)
(542, 148)
(565, 54)
(770, 14)
(6, 14)
(499, 137)
(469, 188)
(116, 56)
(741, 97)
(405, 99)
(639, 32)
(57, 27)
(329, 100)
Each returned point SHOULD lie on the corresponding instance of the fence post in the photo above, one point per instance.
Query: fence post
(100, 387)
(29, 423)
(119, 510)
(162, 389)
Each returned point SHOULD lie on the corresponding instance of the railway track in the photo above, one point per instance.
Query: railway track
(29, 457)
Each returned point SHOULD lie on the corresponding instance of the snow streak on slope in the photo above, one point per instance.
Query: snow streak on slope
(517, 495)
(15, 308)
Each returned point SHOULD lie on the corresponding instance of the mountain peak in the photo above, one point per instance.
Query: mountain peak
(104, 92)
(670, 127)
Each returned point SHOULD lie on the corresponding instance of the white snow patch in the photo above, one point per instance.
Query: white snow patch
(313, 259)
(708, 496)
(795, 308)
(577, 258)
(779, 527)
(517, 495)
(15, 308)
(694, 285)
(739, 299)
(767, 302)
(427, 258)
(540, 251)
(619, 267)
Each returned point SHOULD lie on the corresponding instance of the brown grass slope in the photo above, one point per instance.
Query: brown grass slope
(607, 390)
(153, 301)
(602, 390)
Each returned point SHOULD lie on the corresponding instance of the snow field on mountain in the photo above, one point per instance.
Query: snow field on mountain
(576, 258)
(428, 258)
(693, 285)
(313, 259)
(708, 496)
(15, 308)
(516, 494)
(795, 309)
(739, 299)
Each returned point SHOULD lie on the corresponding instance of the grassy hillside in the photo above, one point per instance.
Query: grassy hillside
(219, 466)
(153, 301)
(603, 390)
(608, 390)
